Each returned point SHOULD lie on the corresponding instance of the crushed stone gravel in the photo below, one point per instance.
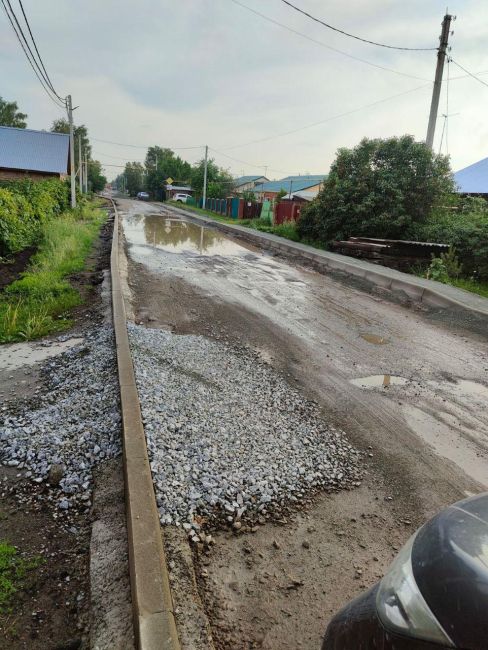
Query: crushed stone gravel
(72, 424)
(228, 438)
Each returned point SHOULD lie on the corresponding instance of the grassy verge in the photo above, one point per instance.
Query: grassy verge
(39, 302)
(13, 571)
(481, 288)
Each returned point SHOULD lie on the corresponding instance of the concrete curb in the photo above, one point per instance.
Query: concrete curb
(152, 604)
(428, 292)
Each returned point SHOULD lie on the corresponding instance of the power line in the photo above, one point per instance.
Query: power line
(32, 61)
(244, 162)
(358, 38)
(329, 119)
(38, 54)
(470, 74)
(140, 146)
(328, 47)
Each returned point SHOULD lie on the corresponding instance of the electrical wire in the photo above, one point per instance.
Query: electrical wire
(328, 47)
(470, 74)
(358, 38)
(44, 81)
(245, 162)
(329, 119)
(38, 53)
(140, 146)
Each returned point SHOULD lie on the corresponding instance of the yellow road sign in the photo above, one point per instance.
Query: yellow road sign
(169, 181)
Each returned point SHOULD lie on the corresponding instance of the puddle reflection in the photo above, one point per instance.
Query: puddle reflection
(180, 237)
(381, 381)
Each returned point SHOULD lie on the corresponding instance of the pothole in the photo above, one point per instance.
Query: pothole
(375, 339)
(379, 381)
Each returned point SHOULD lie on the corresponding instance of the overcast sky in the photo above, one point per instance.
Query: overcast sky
(185, 73)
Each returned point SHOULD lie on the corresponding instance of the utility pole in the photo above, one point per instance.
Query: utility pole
(72, 153)
(205, 178)
(80, 164)
(86, 173)
(441, 55)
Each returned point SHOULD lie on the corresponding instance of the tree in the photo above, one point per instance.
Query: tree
(96, 180)
(10, 115)
(62, 126)
(161, 163)
(220, 182)
(134, 177)
(381, 188)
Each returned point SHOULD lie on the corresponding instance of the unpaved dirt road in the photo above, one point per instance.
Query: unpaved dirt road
(409, 390)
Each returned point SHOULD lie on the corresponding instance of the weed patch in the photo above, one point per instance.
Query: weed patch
(13, 572)
(39, 302)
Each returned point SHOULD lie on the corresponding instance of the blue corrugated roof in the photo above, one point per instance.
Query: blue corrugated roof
(242, 180)
(40, 151)
(473, 179)
(297, 183)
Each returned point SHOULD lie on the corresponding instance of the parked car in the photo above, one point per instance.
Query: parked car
(182, 198)
(434, 595)
(143, 196)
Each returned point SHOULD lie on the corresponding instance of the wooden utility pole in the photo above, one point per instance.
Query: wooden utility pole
(72, 153)
(436, 92)
(205, 178)
(80, 165)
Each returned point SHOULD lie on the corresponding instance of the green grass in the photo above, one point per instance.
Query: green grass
(39, 302)
(481, 288)
(13, 571)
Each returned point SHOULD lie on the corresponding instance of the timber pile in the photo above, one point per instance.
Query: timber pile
(394, 253)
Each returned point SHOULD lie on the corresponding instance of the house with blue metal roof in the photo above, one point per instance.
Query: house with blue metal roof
(290, 184)
(33, 154)
(248, 183)
(473, 179)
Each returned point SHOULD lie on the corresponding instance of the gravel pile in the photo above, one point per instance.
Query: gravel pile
(75, 423)
(228, 438)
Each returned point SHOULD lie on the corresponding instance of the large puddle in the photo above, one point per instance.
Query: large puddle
(178, 236)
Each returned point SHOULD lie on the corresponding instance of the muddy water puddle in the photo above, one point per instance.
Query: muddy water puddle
(379, 381)
(375, 339)
(178, 237)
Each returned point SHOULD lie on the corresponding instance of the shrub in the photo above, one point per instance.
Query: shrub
(24, 206)
(467, 232)
(381, 188)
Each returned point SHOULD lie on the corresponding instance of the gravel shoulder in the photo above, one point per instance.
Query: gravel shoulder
(275, 584)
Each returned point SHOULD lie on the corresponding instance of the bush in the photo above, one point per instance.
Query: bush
(381, 188)
(467, 232)
(24, 207)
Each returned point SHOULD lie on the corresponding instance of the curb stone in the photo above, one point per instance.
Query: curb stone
(152, 604)
(429, 292)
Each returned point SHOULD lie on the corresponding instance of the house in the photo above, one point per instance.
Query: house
(301, 196)
(473, 179)
(291, 185)
(248, 183)
(171, 190)
(37, 155)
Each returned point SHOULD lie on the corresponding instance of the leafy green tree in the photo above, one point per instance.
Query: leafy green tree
(62, 126)
(220, 182)
(96, 180)
(10, 115)
(161, 163)
(381, 188)
(134, 177)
